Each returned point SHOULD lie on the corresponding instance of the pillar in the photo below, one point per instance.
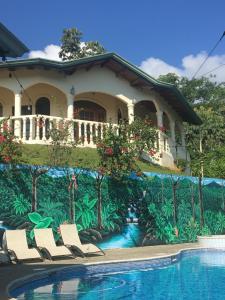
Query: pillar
(130, 109)
(70, 115)
(160, 125)
(70, 99)
(17, 113)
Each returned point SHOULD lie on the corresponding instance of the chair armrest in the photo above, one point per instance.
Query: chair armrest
(75, 249)
(44, 252)
(12, 255)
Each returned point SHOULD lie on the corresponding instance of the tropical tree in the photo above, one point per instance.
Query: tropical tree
(60, 152)
(119, 150)
(73, 48)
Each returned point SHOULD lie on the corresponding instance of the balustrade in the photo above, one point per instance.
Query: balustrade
(34, 129)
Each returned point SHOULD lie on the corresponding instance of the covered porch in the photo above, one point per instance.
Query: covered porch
(33, 113)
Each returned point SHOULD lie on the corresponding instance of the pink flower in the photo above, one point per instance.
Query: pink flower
(162, 128)
(2, 138)
(7, 159)
(109, 151)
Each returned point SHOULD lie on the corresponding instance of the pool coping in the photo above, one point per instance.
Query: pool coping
(31, 277)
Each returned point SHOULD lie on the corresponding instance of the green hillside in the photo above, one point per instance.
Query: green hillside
(81, 157)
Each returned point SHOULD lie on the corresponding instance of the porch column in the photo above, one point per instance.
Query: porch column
(183, 138)
(17, 113)
(159, 115)
(70, 99)
(161, 141)
(173, 137)
(130, 109)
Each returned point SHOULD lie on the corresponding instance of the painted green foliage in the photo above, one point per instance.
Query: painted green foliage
(39, 221)
(152, 196)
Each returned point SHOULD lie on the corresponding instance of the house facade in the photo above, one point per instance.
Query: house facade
(91, 92)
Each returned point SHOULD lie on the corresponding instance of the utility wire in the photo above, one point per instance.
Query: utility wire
(211, 51)
(220, 66)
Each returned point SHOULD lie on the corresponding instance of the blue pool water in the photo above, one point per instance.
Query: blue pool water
(192, 275)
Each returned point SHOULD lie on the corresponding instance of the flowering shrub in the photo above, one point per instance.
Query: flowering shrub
(10, 149)
(120, 147)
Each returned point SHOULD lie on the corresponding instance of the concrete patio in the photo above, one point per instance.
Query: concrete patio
(14, 272)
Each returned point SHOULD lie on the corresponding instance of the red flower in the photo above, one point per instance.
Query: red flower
(7, 159)
(162, 128)
(152, 152)
(109, 151)
(2, 138)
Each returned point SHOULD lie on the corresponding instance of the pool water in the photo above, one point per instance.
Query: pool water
(191, 275)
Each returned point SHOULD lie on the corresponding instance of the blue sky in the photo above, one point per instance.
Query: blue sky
(158, 35)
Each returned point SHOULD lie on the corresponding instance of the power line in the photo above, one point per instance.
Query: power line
(211, 51)
(220, 66)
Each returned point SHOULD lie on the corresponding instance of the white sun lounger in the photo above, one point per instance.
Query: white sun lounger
(46, 243)
(71, 240)
(17, 247)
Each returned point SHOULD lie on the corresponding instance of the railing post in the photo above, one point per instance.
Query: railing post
(31, 135)
(37, 125)
(24, 128)
(43, 123)
(17, 113)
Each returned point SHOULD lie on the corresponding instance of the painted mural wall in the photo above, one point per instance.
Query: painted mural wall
(141, 210)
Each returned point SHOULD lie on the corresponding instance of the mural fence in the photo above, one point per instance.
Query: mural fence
(137, 211)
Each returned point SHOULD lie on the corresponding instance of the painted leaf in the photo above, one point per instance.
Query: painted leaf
(92, 203)
(44, 223)
(86, 199)
(47, 221)
(35, 217)
(79, 227)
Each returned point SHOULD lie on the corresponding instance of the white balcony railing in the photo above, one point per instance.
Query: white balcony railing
(35, 129)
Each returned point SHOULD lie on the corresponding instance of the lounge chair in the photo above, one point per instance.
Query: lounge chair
(46, 243)
(15, 244)
(71, 240)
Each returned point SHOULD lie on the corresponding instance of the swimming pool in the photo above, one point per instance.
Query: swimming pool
(192, 274)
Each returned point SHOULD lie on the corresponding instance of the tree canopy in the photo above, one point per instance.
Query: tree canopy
(207, 97)
(72, 46)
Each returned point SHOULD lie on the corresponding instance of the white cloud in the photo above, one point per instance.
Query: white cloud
(49, 52)
(190, 64)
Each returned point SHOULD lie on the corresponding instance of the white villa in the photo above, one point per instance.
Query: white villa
(92, 92)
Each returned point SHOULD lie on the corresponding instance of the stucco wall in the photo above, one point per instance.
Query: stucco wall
(96, 80)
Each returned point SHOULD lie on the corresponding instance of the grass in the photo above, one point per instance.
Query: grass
(81, 157)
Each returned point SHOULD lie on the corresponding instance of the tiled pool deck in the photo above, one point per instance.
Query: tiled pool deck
(12, 272)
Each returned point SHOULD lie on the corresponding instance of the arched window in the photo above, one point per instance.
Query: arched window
(1, 110)
(90, 111)
(146, 109)
(42, 106)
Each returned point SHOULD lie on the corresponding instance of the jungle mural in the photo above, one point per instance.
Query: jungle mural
(137, 211)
